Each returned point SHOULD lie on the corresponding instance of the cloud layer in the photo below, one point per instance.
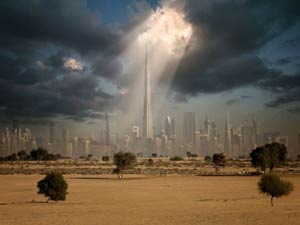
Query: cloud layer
(56, 56)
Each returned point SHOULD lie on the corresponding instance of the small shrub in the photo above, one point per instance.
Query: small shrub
(105, 158)
(154, 155)
(123, 161)
(207, 158)
(176, 158)
(150, 162)
(53, 186)
(219, 160)
(272, 185)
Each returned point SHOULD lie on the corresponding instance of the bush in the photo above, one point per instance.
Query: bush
(207, 158)
(35, 154)
(154, 155)
(150, 162)
(105, 158)
(176, 158)
(123, 161)
(268, 156)
(53, 186)
(260, 158)
(272, 185)
(219, 160)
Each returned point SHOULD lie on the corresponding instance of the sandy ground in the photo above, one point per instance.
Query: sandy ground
(141, 200)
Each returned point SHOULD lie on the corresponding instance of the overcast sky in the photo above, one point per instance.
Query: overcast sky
(57, 60)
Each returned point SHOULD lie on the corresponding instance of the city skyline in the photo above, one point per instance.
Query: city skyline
(175, 138)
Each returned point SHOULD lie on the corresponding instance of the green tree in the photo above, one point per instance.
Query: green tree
(150, 162)
(272, 185)
(154, 155)
(219, 160)
(176, 158)
(105, 158)
(268, 156)
(123, 161)
(188, 154)
(260, 158)
(53, 186)
(12, 157)
(207, 158)
(38, 154)
(22, 155)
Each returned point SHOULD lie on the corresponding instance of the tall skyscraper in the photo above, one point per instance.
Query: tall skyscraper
(214, 137)
(189, 127)
(15, 125)
(298, 153)
(66, 148)
(135, 132)
(168, 126)
(147, 118)
(173, 128)
(207, 126)
(227, 137)
(107, 131)
(51, 133)
(246, 140)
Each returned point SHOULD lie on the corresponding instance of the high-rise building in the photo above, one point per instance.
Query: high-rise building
(197, 146)
(255, 134)
(168, 126)
(51, 133)
(6, 141)
(66, 147)
(107, 131)
(246, 140)
(214, 139)
(135, 132)
(227, 137)
(189, 127)
(147, 117)
(15, 125)
(75, 147)
(298, 153)
(173, 128)
(207, 126)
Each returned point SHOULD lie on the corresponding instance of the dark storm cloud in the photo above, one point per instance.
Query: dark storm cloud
(284, 61)
(227, 38)
(232, 101)
(286, 89)
(179, 97)
(36, 37)
(224, 75)
(246, 97)
(294, 110)
(65, 22)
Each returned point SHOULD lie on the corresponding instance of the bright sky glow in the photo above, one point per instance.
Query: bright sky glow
(168, 27)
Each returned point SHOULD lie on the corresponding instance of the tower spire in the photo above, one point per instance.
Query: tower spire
(107, 132)
(227, 139)
(147, 118)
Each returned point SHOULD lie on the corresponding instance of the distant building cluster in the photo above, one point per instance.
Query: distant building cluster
(17, 139)
(174, 138)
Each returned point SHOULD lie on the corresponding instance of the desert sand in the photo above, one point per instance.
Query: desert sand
(143, 200)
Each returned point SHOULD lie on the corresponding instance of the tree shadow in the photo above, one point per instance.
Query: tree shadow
(109, 178)
(24, 202)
